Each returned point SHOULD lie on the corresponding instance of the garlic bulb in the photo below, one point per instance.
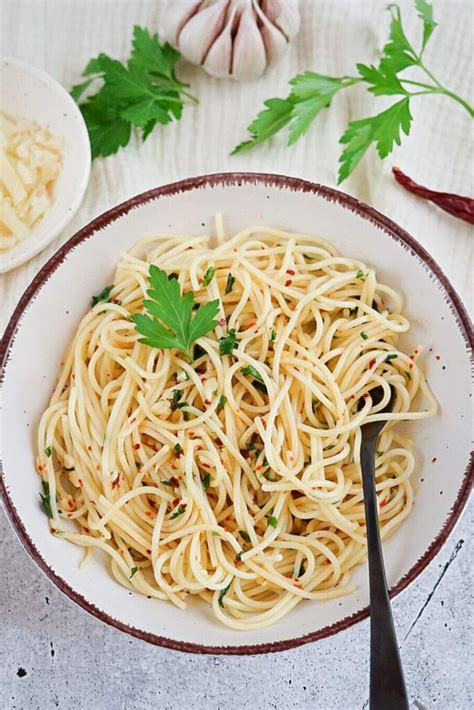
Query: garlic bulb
(231, 38)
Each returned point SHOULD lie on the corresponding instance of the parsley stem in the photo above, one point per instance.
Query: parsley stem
(442, 90)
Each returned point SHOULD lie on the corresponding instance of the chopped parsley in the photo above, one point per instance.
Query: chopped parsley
(273, 335)
(45, 499)
(230, 283)
(208, 276)
(48, 451)
(222, 594)
(391, 356)
(409, 375)
(222, 402)
(180, 511)
(245, 536)
(250, 446)
(227, 343)
(379, 453)
(103, 296)
(133, 571)
(363, 335)
(175, 398)
(206, 481)
(238, 557)
(253, 372)
(177, 448)
(360, 274)
(273, 521)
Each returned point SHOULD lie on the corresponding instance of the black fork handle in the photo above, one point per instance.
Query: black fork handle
(387, 684)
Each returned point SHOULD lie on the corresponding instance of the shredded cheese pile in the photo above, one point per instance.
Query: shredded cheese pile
(30, 162)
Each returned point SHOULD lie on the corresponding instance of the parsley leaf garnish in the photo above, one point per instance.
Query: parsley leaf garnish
(206, 481)
(172, 324)
(382, 129)
(273, 335)
(103, 296)
(227, 343)
(359, 275)
(363, 335)
(391, 356)
(208, 276)
(48, 450)
(142, 93)
(311, 92)
(273, 521)
(133, 571)
(175, 397)
(230, 283)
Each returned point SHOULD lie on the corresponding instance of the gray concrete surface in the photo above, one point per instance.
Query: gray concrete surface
(54, 655)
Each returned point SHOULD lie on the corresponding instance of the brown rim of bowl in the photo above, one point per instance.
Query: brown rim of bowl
(217, 179)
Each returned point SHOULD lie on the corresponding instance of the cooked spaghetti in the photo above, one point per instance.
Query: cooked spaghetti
(235, 477)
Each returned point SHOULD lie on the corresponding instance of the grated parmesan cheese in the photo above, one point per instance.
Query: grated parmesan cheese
(30, 162)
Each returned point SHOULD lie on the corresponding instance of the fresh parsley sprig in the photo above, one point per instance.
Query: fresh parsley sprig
(141, 93)
(312, 92)
(171, 322)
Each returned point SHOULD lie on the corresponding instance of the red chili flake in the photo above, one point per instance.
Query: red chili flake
(53, 530)
(365, 396)
(148, 552)
(136, 446)
(97, 467)
(372, 363)
(217, 441)
(81, 482)
(191, 434)
(298, 584)
(288, 283)
(184, 505)
(438, 357)
(86, 530)
(245, 453)
(175, 502)
(206, 465)
(264, 422)
(412, 357)
(291, 272)
(258, 468)
(174, 481)
(150, 513)
(352, 396)
(133, 420)
(222, 321)
(40, 468)
(383, 503)
(116, 481)
(237, 562)
(71, 503)
(89, 448)
(69, 515)
(434, 460)
(250, 325)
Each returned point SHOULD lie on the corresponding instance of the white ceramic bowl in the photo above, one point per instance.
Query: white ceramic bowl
(27, 92)
(47, 317)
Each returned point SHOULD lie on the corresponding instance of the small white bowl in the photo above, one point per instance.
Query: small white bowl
(27, 92)
(46, 319)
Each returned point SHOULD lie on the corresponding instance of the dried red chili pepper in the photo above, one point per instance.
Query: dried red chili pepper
(457, 205)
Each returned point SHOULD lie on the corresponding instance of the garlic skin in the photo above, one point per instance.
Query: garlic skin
(237, 39)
